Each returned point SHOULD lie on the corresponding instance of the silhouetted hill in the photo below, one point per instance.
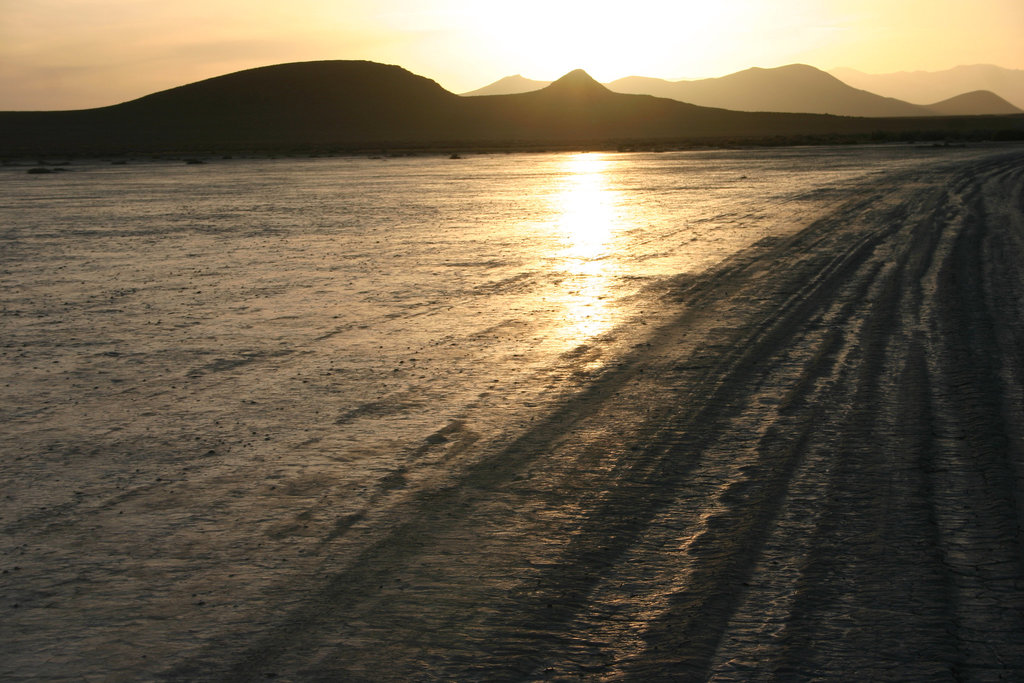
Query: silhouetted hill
(578, 84)
(342, 105)
(793, 88)
(301, 104)
(313, 86)
(979, 102)
(510, 85)
(932, 86)
(578, 108)
(796, 89)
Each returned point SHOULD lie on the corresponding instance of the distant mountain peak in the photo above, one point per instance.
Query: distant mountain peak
(509, 85)
(973, 103)
(577, 74)
(577, 83)
(926, 87)
(798, 66)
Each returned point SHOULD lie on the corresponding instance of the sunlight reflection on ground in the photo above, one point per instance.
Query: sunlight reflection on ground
(588, 219)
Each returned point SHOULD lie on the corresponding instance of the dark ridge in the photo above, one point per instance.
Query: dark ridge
(345, 106)
(936, 86)
(577, 83)
(291, 87)
(509, 85)
(796, 88)
(979, 102)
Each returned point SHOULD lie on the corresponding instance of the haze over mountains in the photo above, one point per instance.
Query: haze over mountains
(932, 86)
(795, 88)
(358, 105)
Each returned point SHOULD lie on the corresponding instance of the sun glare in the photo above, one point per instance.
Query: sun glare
(587, 209)
(547, 39)
(587, 219)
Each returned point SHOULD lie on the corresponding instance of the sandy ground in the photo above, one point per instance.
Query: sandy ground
(811, 466)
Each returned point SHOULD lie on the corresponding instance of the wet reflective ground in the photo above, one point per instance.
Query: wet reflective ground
(223, 380)
(145, 301)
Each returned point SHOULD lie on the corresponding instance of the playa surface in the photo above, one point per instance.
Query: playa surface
(804, 459)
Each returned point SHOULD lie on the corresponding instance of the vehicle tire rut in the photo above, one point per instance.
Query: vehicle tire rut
(813, 471)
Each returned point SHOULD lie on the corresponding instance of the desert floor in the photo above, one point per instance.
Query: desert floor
(808, 464)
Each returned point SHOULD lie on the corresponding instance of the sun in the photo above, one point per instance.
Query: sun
(549, 38)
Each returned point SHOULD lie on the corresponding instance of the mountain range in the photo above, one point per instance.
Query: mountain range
(795, 88)
(932, 86)
(359, 105)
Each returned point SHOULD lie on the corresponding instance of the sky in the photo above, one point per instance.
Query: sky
(71, 54)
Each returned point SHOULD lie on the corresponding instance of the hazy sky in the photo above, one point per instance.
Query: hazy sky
(60, 54)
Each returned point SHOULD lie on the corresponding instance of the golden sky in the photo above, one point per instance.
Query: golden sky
(61, 54)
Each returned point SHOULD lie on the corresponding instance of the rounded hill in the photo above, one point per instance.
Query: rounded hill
(288, 87)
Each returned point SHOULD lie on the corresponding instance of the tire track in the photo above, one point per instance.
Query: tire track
(978, 469)
(879, 591)
(773, 487)
(864, 539)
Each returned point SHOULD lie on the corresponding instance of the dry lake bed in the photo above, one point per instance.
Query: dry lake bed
(730, 414)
